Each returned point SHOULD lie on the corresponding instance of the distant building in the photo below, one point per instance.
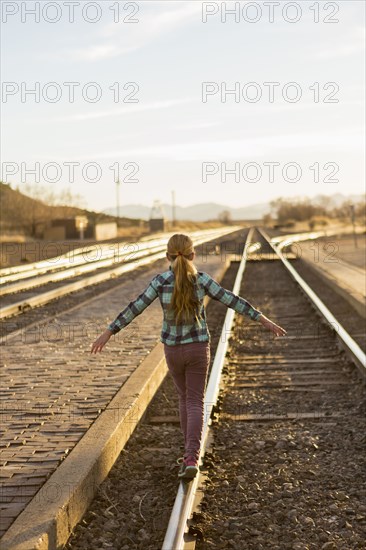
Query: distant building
(79, 227)
(157, 219)
(106, 230)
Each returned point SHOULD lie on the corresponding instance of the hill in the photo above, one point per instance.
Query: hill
(211, 210)
(195, 212)
(22, 214)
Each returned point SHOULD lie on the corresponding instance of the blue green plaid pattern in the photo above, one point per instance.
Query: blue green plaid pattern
(162, 286)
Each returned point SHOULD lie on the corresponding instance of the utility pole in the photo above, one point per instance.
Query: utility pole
(352, 210)
(173, 208)
(117, 196)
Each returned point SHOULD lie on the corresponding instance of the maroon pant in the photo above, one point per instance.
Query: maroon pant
(188, 365)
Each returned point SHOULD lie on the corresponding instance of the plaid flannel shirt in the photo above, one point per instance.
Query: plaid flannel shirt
(162, 286)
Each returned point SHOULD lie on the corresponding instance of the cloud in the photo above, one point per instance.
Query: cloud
(243, 148)
(152, 24)
(130, 109)
(199, 125)
(352, 43)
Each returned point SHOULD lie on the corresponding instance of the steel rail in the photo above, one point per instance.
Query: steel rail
(58, 263)
(287, 240)
(347, 342)
(77, 257)
(283, 241)
(17, 269)
(71, 272)
(182, 508)
(61, 264)
(83, 266)
(41, 266)
(45, 297)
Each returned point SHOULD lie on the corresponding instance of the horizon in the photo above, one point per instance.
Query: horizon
(359, 196)
(304, 197)
(338, 200)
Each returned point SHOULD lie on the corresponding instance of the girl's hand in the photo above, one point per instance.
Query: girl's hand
(101, 341)
(270, 325)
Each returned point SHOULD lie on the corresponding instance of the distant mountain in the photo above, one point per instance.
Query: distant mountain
(195, 212)
(210, 210)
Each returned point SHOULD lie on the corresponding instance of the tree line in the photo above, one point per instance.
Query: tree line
(287, 212)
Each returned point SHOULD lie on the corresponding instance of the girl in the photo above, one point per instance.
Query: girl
(185, 335)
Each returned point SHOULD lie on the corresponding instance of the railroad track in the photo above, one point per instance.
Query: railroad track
(27, 293)
(281, 401)
(280, 373)
(82, 260)
(76, 254)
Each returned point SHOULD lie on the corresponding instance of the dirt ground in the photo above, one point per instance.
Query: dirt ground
(347, 248)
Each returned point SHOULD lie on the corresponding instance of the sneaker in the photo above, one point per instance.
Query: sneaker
(182, 466)
(188, 468)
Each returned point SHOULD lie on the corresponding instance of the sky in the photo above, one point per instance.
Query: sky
(229, 102)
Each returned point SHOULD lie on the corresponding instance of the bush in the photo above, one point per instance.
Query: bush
(317, 221)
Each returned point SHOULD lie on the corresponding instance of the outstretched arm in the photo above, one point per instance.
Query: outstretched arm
(217, 292)
(134, 308)
(225, 296)
(127, 315)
